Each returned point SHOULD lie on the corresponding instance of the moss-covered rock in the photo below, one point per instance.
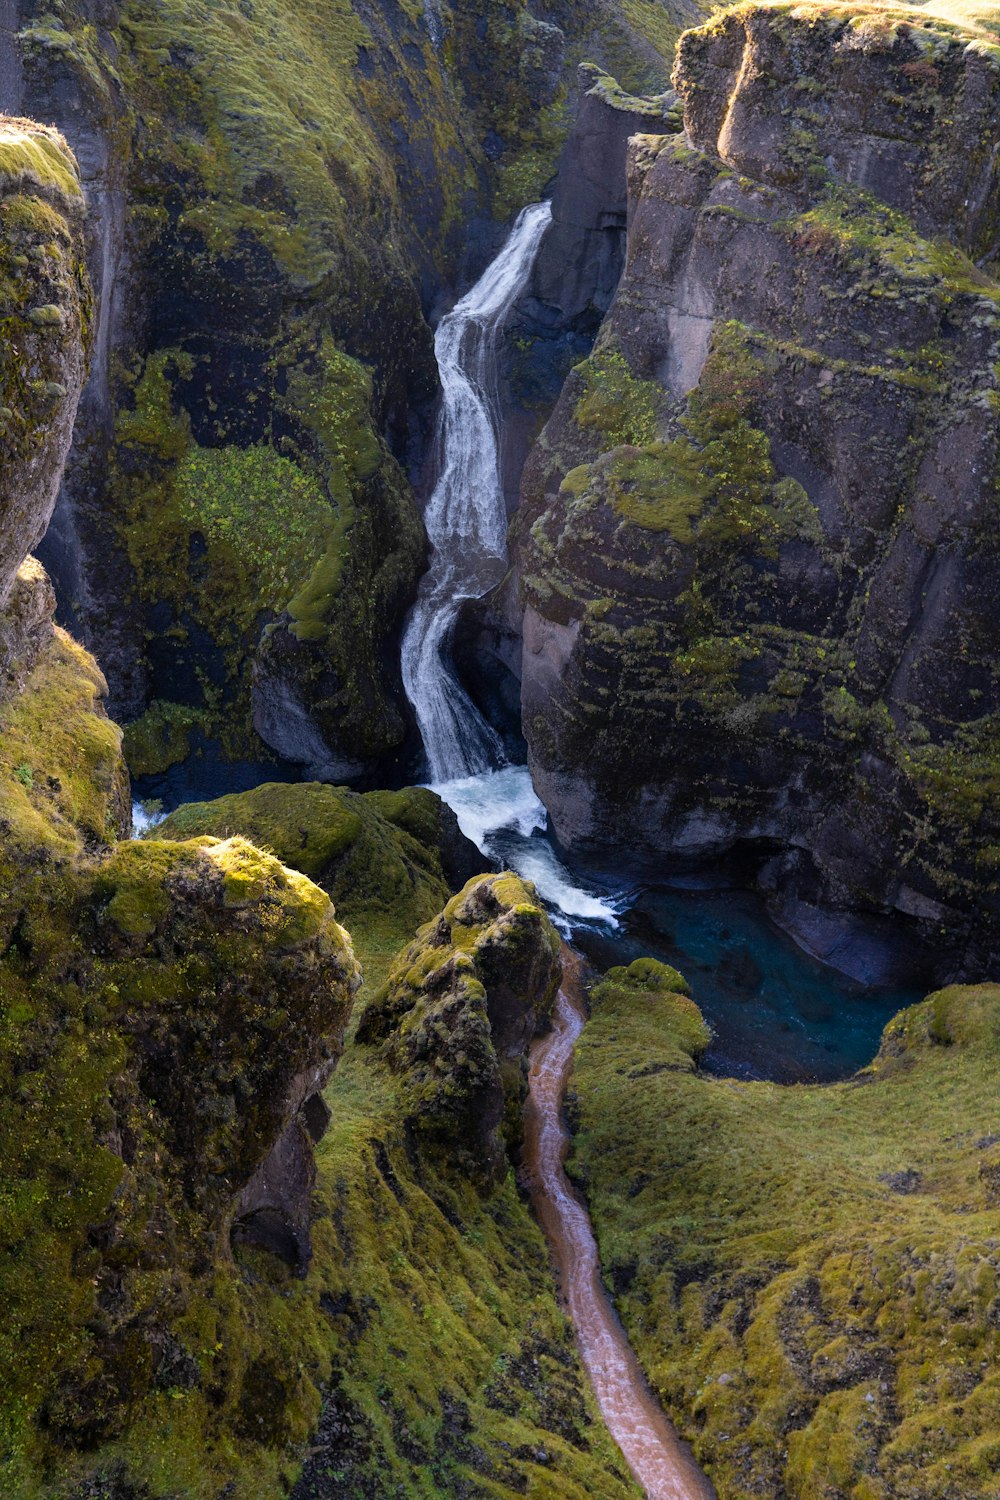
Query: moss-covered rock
(45, 317)
(168, 1011)
(458, 1012)
(293, 185)
(808, 1274)
(756, 557)
(389, 860)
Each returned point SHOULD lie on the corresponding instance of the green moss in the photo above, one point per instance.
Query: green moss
(806, 1272)
(622, 408)
(32, 156)
(61, 775)
(661, 488)
(377, 855)
(455, 1013)
(161, 738)
(444, 1310)
(265, 522)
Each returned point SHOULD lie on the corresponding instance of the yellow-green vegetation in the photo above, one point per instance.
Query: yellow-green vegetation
(158, 1003)
(428, 1307)
(809, 1274)
(61, 776)
(162, 737)
(613, 400)
(45, 309)
(457, 1013)
(378, 855)
(719, 473)
(454, 1371)
(230, 537)
(32, 157)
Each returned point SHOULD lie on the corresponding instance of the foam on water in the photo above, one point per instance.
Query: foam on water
(502, 815)
(493, 800)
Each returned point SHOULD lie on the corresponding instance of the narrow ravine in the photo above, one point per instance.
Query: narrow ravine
(497, 807)
(659, 1460)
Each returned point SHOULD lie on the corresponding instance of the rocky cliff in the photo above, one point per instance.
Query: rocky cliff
(169, 1012)
(278, 195)
(45, 304)
(458, 1013)
(758, 534)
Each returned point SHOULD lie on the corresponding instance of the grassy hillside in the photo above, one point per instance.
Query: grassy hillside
(809, 1274)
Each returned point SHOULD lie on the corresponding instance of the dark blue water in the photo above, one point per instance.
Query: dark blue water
(206, 774)
(776, 1012)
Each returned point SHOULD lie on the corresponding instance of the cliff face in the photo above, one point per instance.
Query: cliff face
(457, 1015)
(169, 1012)
(45, 306)
(759, 533)
(278, 194)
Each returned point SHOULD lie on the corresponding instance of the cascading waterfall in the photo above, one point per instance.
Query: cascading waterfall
(466, 522)
(466, 518)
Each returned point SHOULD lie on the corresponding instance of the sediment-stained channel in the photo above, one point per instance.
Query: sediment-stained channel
(659, 1460)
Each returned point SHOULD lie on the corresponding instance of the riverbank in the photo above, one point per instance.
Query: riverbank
(661, 1463)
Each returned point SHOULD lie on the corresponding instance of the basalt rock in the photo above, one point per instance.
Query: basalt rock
(170, 1013)
(277, 197)
(457, 1015)
(45, 304)
(758, 535)
(581, 257)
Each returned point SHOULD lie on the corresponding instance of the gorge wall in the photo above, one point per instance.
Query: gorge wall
(277, 196)
(189, 1283)
(757, 537)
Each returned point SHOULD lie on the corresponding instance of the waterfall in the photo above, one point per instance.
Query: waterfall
(466, 518)
(466, 521)
(434, 23)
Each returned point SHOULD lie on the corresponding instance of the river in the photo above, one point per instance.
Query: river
(497, 808)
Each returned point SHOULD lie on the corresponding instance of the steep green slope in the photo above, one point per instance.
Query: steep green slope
(429, 1304)
(809, 1274)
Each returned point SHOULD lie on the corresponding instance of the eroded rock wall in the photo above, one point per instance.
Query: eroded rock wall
(759, 531)
(46, 310)
(457, 1015)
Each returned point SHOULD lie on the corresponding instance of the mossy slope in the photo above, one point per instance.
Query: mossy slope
(809, 1274)
(165, 1009)
(45, 316)
(456, 1016)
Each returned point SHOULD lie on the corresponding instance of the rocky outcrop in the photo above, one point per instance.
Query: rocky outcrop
(457, 1015)
(237, 536)
(758, 534)
(377, 854)
(581, 257)
(171, 1012)
(45, 304)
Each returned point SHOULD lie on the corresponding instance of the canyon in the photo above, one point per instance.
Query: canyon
(588, 412)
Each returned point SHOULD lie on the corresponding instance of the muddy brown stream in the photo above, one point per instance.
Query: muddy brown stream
(661, 1463)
